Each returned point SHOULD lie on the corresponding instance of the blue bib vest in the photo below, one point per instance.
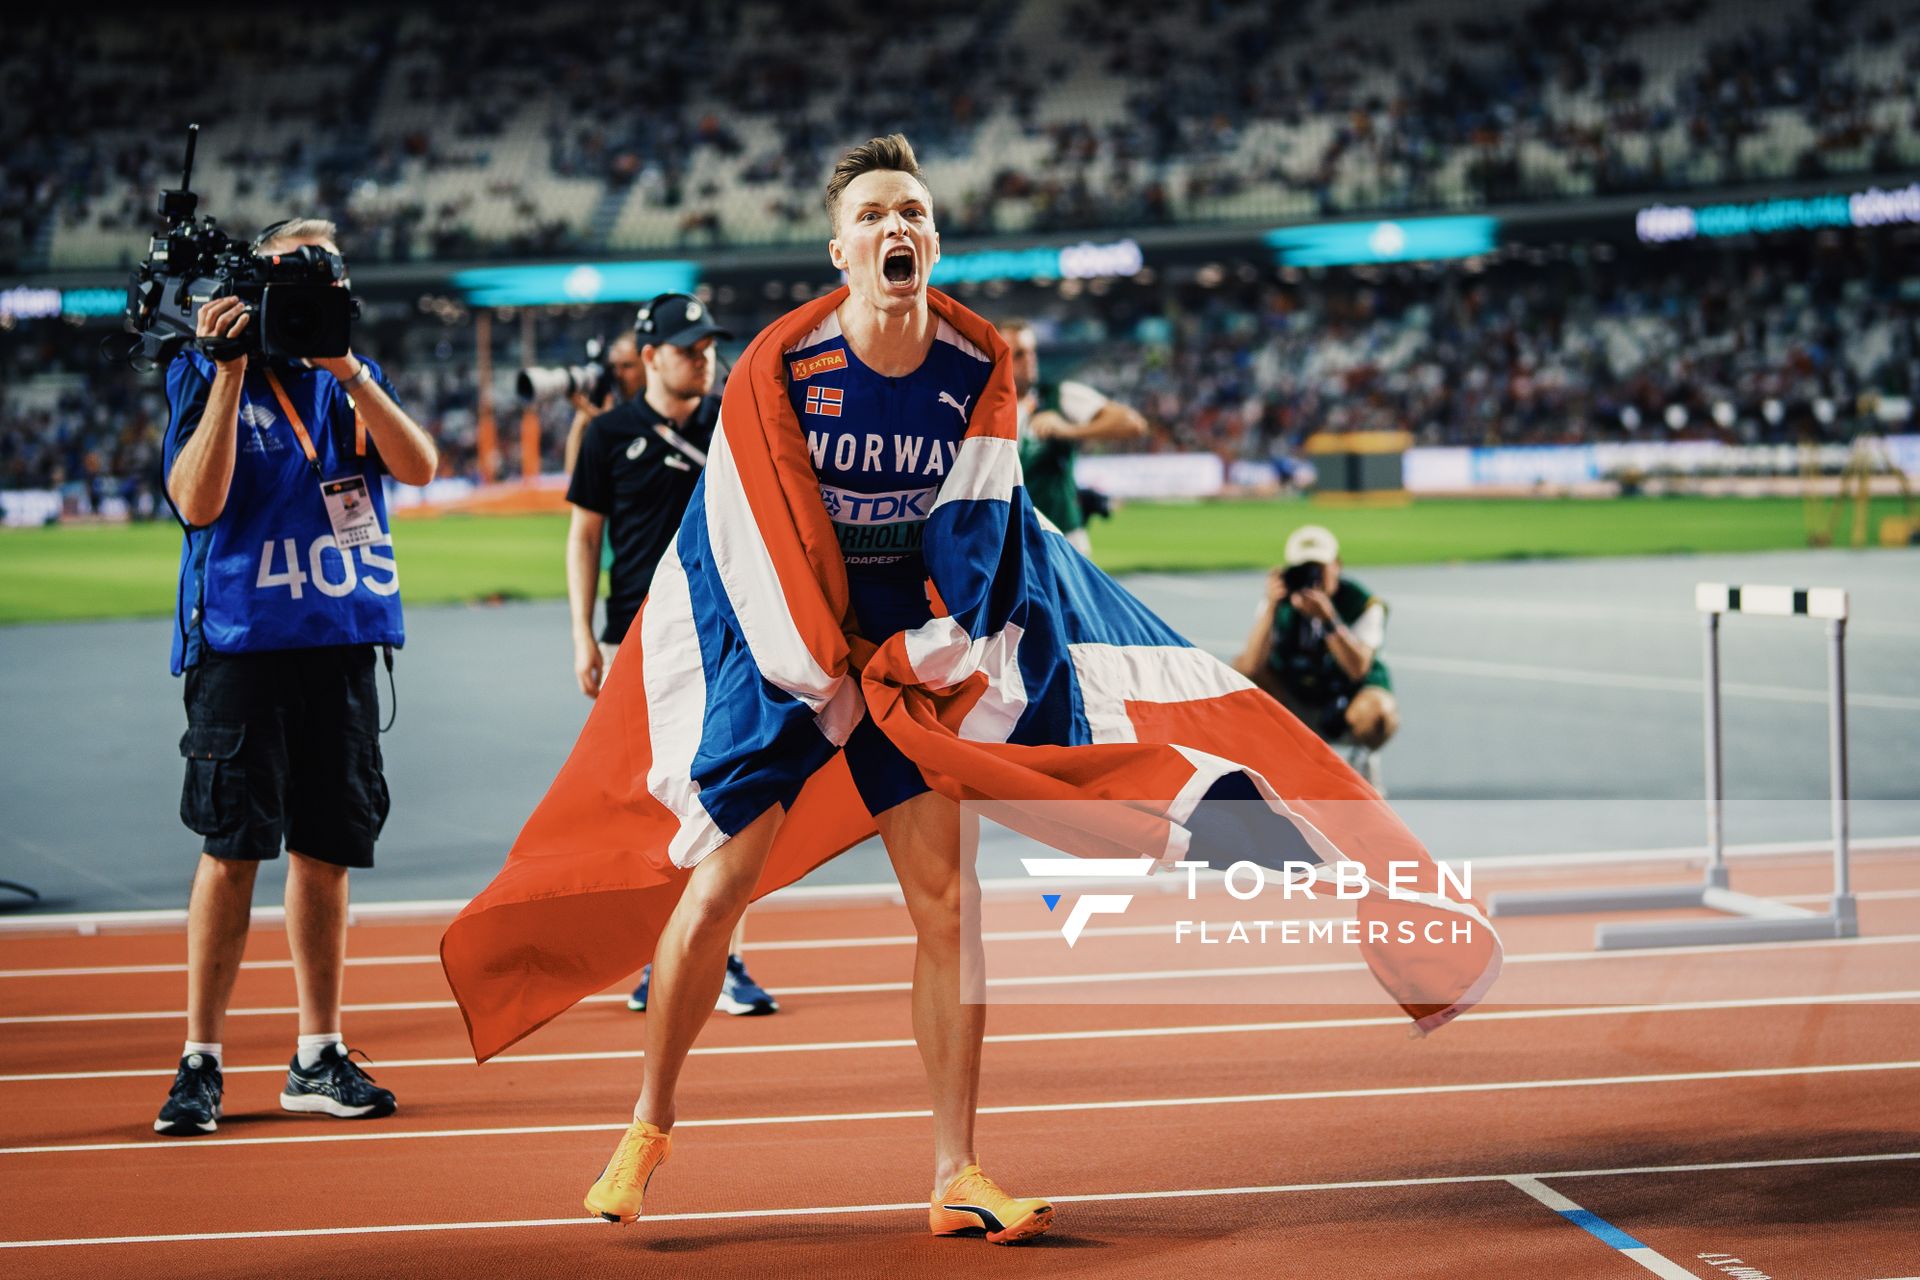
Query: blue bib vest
(267, 574)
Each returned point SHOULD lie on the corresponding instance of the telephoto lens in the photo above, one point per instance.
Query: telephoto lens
(541, 383)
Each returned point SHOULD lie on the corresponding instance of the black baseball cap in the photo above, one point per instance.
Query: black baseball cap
(676, 319)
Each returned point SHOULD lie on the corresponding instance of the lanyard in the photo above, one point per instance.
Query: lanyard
(685, 446)
(300, 428)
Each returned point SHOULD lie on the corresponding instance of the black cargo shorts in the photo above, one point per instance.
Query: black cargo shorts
(284, 747)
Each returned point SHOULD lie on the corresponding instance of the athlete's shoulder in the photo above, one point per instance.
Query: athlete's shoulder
(953, 358)
(951, 337)
(824, 334)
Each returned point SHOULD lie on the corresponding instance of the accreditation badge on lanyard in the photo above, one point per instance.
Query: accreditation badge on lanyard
(349, 505)
(680, 444)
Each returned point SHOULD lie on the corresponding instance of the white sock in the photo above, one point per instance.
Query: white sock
(312, 1046)
(205, 1050)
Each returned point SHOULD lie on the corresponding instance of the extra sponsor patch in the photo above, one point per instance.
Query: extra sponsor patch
(801, 370)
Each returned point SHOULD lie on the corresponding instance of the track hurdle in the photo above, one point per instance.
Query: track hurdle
(1754, 919)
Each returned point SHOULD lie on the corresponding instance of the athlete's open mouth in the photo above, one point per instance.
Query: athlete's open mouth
(898, 266)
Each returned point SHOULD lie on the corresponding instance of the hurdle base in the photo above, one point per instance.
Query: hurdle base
(1756, 919)
(1555, 902)
(1803, 927)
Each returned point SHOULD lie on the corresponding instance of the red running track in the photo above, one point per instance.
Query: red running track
(1749, 1111)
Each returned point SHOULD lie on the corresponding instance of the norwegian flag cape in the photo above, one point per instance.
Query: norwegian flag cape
(1039, 680)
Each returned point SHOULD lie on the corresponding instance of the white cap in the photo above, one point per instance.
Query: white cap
(1312, 544)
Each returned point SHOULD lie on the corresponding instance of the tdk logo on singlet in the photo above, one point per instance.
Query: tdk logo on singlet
(912, 455)
(844, 506)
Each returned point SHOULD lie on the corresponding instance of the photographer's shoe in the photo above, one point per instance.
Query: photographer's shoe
(617, 1196)
(193, 1105)
(335, 1086)
(740, 994)
(975, 1202)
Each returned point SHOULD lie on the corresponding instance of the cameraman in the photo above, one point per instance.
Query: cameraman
(639, 463)
(1315, 646)
(273, 467)
(629, 381)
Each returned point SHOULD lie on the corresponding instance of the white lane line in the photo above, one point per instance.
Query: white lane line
(908, 939)
(1104, 1197)
(1039, 1108)
(1655, 684)
(1602, 1230)
(1044, 1037)
(1036, 980)
(806, 896)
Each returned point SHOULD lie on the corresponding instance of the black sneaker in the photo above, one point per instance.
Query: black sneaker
(193, 1105)
(335, 1086)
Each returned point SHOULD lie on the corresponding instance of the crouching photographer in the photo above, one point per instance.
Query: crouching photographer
(274, 452)
(1315, 647)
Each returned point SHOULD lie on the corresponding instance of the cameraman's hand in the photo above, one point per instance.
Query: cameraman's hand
(224, 318)
(587, 408)
(1314, 603)
(341, 367)
(1276, 589)
(589, 666)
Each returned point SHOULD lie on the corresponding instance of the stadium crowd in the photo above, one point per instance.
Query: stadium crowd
(1799, 343)
(1805, 341)
(93, 439)
(572, 127)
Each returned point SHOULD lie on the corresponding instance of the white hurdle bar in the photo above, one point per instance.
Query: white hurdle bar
(1754, 919)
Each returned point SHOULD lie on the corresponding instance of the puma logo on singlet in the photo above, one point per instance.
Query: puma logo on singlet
(959, 407)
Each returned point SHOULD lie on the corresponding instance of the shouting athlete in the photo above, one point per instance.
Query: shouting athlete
(861, 623)
(883, 390)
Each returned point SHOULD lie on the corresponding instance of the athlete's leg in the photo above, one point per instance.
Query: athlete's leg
(922, 836)
(691, 961)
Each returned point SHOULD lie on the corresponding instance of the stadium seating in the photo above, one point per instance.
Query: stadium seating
(572, 127)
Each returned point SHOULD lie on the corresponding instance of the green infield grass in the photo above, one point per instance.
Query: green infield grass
(118, 571)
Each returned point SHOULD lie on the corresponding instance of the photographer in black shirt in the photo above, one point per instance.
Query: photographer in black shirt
(635, 475)
(638, 464)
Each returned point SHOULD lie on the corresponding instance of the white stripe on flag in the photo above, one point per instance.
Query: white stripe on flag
(942, 654)
(986, 469)
(1112, 675)
(676, 689)
(1001, 706)
(753, 586)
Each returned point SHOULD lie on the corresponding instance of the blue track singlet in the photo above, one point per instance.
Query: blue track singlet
(881, 447)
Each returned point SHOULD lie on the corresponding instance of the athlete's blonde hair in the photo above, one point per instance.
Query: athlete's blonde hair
(890, 152)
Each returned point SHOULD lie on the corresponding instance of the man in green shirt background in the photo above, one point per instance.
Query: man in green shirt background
(1055, 420)
(1315, 646)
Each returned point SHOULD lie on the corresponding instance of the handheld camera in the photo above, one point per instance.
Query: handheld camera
(298, 299)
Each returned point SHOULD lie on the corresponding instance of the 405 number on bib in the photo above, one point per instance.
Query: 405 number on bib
(330, 570)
